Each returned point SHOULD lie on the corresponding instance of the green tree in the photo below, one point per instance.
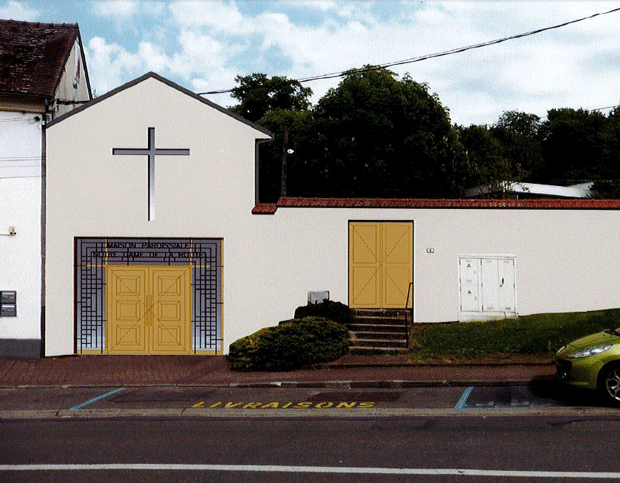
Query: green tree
(381, 136)
(608, 184)
(519, 136)
(574, 146)
(484, 158)
(279, 160)
(258, 94)
(611, 146)
(278, 104)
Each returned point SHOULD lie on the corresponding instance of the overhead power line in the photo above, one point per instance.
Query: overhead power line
(412, 60)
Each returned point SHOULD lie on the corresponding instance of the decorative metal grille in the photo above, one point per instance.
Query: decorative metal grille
(94, 254)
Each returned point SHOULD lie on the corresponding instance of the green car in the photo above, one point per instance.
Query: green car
(592, 362)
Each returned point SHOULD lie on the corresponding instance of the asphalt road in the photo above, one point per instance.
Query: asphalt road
(315, 449)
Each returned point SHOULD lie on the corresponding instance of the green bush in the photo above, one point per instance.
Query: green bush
(290, 345)
(328, 309)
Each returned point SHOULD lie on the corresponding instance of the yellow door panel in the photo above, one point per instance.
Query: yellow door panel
(380, 264)
(364, 264)
(396, 285)
(128, 338)
(172, 310)
(365, 239)
(397, 242)
(365, 287)
(126, 309)
(397, 263)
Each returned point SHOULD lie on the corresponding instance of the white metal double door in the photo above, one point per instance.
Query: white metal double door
(488, 284)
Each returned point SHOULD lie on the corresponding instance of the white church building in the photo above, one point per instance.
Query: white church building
(155, 242)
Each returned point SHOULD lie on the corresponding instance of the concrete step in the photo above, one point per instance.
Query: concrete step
(377, 320)
(376, 335)
(376, 343)
(377, 328)
(375, 350)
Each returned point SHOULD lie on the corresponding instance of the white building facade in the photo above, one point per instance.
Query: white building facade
(20, 233)
(37, 84)
(155, 245)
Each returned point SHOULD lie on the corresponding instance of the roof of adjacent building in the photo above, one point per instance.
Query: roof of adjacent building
(33, 55)
(582, 190)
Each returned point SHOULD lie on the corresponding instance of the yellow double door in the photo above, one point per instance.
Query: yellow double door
(380, 264)
(148, 309)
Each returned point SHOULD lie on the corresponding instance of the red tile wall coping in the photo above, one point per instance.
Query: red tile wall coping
(413, 203)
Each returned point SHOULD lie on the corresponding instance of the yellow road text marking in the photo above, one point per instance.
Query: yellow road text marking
(287, 405)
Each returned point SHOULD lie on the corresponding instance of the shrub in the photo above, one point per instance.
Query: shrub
(290, 345)
(328, 309)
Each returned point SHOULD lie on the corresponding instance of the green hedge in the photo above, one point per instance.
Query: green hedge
(290, 345)
(328, 309)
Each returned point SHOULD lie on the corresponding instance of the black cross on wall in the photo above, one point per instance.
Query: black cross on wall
(151, 152)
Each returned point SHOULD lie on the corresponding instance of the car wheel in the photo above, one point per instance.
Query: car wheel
(610, 384)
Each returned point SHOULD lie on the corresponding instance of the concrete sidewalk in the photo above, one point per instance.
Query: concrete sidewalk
(357, 371)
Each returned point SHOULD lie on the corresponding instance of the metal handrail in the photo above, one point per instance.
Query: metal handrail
(409, 320)
(408, 293)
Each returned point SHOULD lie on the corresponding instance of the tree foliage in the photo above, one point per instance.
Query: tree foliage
(573, 145)
(378, 135)
(258, 94)
(383, 137)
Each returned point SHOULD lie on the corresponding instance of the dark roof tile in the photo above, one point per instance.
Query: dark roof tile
(32, 56)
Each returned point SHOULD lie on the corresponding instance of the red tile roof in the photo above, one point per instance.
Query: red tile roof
(33, 55)
(532, 204)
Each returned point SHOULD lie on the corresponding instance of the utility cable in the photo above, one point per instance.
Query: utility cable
(412, 60)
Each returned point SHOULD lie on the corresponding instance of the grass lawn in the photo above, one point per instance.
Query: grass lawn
(533, 335)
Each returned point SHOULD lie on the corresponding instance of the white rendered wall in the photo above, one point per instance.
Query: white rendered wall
(92, 193)
(20, 206)
(566, 260)
(72, 87)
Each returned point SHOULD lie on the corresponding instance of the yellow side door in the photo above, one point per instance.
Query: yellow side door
(380, 264)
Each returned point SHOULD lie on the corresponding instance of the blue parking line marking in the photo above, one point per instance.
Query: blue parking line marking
(95, 399)
(462, 402)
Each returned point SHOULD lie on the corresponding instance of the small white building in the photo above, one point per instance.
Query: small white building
(518, 189)
(42, 75)
(155, 243)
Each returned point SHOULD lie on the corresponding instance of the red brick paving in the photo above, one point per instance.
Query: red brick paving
(210, 370)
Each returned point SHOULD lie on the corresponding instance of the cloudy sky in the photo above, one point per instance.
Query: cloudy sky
(203, 45)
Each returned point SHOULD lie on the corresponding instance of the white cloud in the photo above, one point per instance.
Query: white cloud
(112, 64)
(204, 44)
(217, 16)
(15, 10)
(117, 9)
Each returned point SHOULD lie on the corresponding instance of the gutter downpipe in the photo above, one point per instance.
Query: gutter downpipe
(43, 217)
